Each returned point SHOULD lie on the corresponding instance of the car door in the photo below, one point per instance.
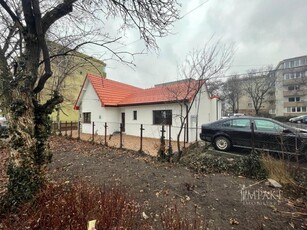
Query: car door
(269, 135)
(239, 131)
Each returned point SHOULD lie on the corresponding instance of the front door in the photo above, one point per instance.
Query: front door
(123, 122)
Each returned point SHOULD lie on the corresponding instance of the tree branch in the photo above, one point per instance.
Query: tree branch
(56, 13)
(43, 45)
(29, 17)
(12, 15)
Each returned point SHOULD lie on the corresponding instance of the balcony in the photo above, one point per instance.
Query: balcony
(295, 104)
(289, 93)
(296, 81)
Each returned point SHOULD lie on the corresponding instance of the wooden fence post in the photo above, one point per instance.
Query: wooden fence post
(141, 144)
(105, 133)
(65, 128)
(170, 149)
(60, 128)
(71, 129)
(121, 136)
(79, 129)
(93, 131)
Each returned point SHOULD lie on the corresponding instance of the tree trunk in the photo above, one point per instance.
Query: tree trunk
(29, 127)
(28, 154)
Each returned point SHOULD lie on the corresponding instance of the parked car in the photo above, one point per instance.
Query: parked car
(255, 132)
(3, 127)
(302, 119)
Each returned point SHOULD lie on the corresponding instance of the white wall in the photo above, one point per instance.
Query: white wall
(90, 104)
(208, 110)
(145, 117)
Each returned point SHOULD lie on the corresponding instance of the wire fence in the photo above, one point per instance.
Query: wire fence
(145, 138)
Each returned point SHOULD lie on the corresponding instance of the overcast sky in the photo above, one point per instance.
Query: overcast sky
(264, 32)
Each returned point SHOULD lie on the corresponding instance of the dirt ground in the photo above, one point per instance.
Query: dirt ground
(216, 198)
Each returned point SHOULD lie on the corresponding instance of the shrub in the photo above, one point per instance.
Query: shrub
(251, 166)
(72, 206)
(282, 118)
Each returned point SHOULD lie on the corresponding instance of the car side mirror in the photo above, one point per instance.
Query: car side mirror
(286, 130)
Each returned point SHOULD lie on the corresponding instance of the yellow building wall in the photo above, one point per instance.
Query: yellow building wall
(71, 86)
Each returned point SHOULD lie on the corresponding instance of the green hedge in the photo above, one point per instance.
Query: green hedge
(282, 118)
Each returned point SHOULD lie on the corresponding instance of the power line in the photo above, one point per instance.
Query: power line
(258, 72)
(193, 9)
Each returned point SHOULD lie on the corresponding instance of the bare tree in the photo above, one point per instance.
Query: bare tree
(257, 85)
(214, 86)
(232, 92)
(200, 66)
(26, 27)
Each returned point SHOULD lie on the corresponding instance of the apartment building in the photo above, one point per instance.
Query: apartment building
(291, 87)
(68, 76)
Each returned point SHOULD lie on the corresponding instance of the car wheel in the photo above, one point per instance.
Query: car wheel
(222, 143)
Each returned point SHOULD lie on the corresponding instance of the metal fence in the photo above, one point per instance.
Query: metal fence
(146, 138)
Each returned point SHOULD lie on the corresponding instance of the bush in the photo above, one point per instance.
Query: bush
(249, 166)
(72, 206)
(282, 118)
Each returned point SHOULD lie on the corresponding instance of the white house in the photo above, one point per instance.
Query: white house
(103, 100)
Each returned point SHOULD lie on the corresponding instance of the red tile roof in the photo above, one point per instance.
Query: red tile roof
(113, 93)
(169, 92)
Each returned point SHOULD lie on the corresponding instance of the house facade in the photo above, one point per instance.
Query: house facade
(103, 101)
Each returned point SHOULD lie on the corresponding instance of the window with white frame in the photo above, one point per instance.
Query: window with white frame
(296, 63)
(293, 87)
(296, 109)
(293, 99)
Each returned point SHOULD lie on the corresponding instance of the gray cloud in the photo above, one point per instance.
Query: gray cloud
(265, 32)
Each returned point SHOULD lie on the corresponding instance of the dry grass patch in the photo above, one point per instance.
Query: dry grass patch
(278, 169)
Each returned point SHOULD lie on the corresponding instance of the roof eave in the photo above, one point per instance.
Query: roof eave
(153, 103)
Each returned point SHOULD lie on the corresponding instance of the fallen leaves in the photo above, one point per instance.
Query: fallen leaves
(233, 221)
(4, 157)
